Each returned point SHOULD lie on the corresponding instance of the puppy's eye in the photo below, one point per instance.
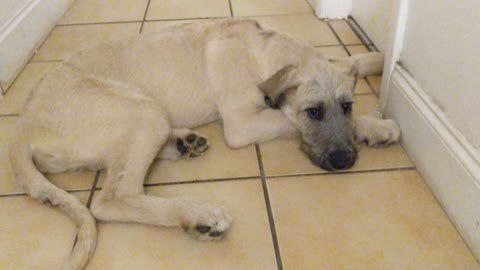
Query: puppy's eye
(315, 113)
(347, 107)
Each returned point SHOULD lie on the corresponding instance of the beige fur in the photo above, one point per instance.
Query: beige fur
(119, 105)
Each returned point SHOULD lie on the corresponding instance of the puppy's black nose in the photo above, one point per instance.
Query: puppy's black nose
(342, 159)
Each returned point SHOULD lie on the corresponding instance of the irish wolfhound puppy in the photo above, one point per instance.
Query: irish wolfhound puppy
(119, 105)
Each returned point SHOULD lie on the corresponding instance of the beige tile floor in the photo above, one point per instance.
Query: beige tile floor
(288, 214)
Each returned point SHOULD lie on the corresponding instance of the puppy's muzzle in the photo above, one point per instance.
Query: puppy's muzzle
(338, 159)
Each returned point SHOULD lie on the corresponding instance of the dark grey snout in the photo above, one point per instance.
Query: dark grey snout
(339, 159)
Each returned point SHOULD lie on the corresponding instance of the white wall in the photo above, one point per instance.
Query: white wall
(23, 26)
(442, 51)
(374, 16)
(430, 87)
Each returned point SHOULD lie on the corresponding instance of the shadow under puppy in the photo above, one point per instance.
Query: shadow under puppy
(119, 105)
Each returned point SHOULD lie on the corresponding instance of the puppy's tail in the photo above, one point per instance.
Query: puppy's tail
(37, 186)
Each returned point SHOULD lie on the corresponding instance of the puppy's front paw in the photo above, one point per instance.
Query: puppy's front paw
(376, 132)
(192, 144)
(206, 222)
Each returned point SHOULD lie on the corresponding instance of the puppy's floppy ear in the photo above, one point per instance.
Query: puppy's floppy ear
(360, 64)
(275, 86)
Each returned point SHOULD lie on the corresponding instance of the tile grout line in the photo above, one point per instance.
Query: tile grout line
(392, 169)
(268, 205)
(312, 8)
(231, 8)
(97, 175)
(359, 32)
(363, 94)
(186, 182)
(183, 19)
(188, 19)
(12, 195)
(45, 61)
(23, 194)
(9, 115)
(201, 181)
(92, 190)
(97, 23)
(197, 18)
(337, 37)
(274, 15)
(144, 17)
(406, 168)
(334, 45)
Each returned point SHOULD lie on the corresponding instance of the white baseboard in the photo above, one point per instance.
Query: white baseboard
(449, 164)
(21, 35)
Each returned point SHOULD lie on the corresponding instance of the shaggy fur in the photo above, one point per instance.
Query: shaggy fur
(119, 105)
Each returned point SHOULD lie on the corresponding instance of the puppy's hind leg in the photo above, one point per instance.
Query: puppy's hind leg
(122, 197)
(184, 143)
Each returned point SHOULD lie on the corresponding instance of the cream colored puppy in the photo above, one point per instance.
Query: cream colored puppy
(119, 105)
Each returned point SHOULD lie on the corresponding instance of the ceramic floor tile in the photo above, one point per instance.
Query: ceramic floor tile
(247, 245)
(7, 186)
(65, 40)
(345, 32)
(77, 180)
(365, 105)
(383, 220)
(150, 27)
(94, 11)
(362, 87)
(187, 9)
(80, 180)
(306, 27)
(376, 82)
(357, 49)
(275, 7)
(219, 161)
(284, 157)
(34, 236)
(332, 51)
(18, 93)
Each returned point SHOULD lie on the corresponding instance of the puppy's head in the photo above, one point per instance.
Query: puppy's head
(318, 98)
